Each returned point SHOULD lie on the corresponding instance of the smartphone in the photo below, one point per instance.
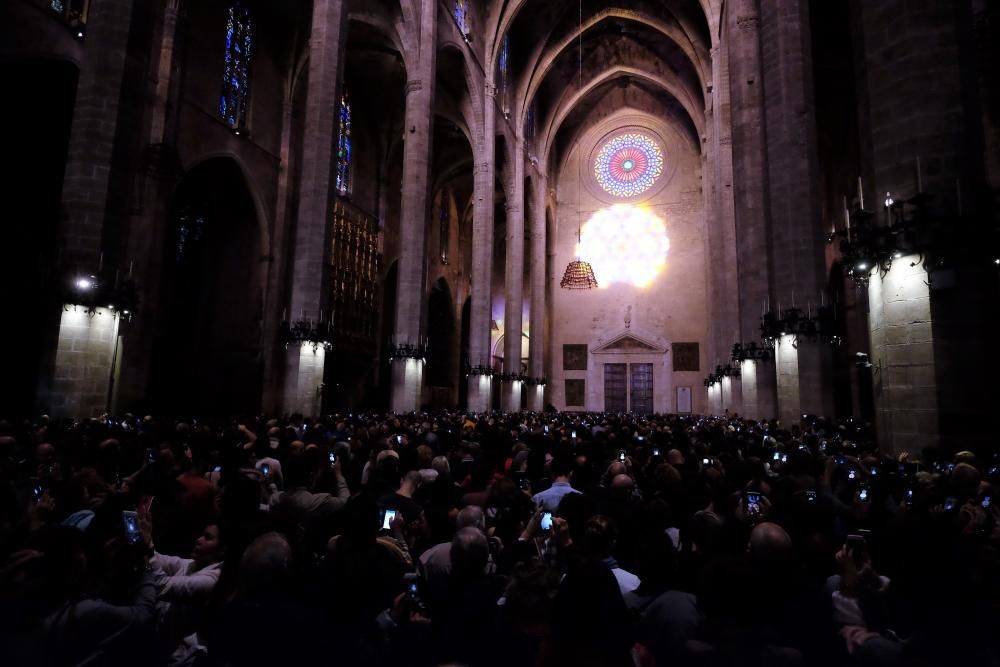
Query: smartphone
(546, 428)
(265, 469)
(752, 500)
(656, 451)
(131, 522)
(37, 490)
(909, 497)
(150, 456)
(332, 457)
(388, 517)
(852, 474)
(874, 471)
(639, 438)
(399, 439)
(986, 502)
(572, 434)
(784, 458)
(950, 503)
(522, 483)
(217, 469)
(811, 497)
(411, 580)
(546, 523)
(857, 548)
(840, 460)
(706, 462)
(776, 456)
(621, 455)
(863, 493)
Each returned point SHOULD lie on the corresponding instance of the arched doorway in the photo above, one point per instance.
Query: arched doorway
(440, 374)
(207, 358)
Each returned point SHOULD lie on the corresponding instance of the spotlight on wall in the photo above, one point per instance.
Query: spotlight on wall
(84, 284)
(897, 255)
(862, 266)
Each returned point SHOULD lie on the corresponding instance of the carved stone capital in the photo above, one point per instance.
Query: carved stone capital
(491, 90)
(749, 23)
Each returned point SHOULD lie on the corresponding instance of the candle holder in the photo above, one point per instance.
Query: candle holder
(408, 351)
(727, 371)
(319, 334)
(793, 322)
(750, 352)
(103, 288)
(911, 227)
(479, 370)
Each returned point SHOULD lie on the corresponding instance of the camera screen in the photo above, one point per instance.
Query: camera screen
(546, 523)
(265, 469)
(621, 455)
(753, 503)
(131, 521)
(390, 516)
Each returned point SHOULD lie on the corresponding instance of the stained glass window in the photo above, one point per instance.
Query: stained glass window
(503, 81)
(462, 18)
(236, 75)
(529, 124)
(628, 164)
(344, 147)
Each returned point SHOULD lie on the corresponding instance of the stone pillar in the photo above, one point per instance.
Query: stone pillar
(715, 399)
(84, 348)
(748, 385)
(934, 341)
(514, 283)
(902, 355)
(536, 344)
(732, 395)
(794, 199)
(750, 191)
(302, 390)
(408, 374)
(480, 387)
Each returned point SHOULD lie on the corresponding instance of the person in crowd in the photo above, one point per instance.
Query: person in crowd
(493, 539)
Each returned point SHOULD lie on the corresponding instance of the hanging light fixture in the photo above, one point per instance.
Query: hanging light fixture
(579, 274)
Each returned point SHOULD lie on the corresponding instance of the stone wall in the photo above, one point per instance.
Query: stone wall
(85, 355)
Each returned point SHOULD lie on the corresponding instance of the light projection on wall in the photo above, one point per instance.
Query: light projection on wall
(625, 244)
(628, 165)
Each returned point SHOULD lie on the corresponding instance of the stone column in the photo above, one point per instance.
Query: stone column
(930, 333)
(514, 283)
(797, 241)
(305, 365)
(480, 386)
(536, 344)
(85, 345)
(902, 354)
(750, 192)
(407, 374)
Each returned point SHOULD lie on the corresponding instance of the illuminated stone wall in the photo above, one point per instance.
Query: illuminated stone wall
(672, 308)
(85, 353)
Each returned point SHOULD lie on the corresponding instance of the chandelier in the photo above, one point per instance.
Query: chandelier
(579, 274)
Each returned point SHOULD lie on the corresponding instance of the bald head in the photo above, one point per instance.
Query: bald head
(471, 517)
(470, 552)
(769, 543)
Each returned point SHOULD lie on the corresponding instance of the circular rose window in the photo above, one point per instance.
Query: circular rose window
(628, 165)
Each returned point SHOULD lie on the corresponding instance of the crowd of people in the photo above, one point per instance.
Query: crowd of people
(531, 539)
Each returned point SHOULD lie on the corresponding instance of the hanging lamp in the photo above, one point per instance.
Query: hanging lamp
(579, 274)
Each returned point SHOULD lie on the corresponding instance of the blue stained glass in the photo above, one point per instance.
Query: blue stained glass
(461, 14)
(344, 146)
(233, 101)
(503, 87)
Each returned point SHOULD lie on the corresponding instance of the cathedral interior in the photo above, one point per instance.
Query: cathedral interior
(771, 208)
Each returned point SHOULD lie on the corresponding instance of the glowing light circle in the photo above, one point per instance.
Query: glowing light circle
(628, 165)
(625, 244)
